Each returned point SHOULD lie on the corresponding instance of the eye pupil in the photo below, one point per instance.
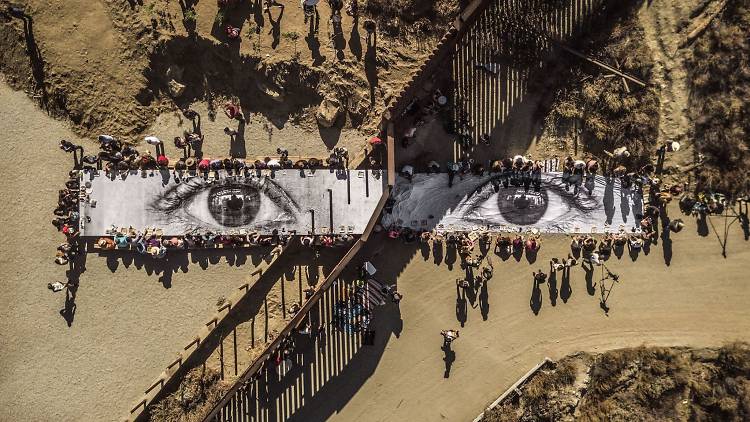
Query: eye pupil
(234, 205)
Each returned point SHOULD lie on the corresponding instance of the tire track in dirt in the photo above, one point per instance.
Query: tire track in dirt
(661, 23)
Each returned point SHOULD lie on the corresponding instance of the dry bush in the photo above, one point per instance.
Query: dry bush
(538, 392)
(504, 413)
(398, 17)
(640, 384)
(199, 390)
(608, 115)
(720, 101)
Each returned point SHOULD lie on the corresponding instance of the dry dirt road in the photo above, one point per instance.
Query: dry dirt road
(128, 323)
(700, 299)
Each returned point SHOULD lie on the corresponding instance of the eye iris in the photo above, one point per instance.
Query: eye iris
(234, 206)
(522, 208)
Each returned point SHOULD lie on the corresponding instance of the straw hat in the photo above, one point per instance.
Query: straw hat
(190, 162)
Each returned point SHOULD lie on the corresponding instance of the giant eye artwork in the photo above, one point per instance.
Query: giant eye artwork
(264, 202)
(480, 202)
(227, 203)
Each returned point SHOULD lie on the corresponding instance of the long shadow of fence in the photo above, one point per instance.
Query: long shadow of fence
(327, 371)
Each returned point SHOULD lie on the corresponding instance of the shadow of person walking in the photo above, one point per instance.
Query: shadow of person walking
(536, 298)
(35, 55)
(69, 311)
(371, 67)
(355, 41)
(484, 304)
(588, 269)
(449, 357)
(565, 290)
(461, 306)
(552, 285)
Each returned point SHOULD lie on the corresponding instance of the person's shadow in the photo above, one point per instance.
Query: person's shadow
(552, 285)
(337, 39)
(461, 306)
(314, 45)
(437, 252)
(449, 357)
(371, 66)
(275, 28)
(237, 147)
(666, 243)
(484, 304)
(425, 249)
(68, 313)
(355, 41)
(589, 270)
(536, 298)
(565, 290)
(32, 49)
(702, 225)
(450, 256)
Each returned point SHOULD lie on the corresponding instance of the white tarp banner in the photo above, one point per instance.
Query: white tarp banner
(426, 202)
(284, 200)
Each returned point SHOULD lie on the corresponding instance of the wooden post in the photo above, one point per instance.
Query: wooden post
(221, 354)
(283, 299)
(234, 335)
(391, 146)
(265, 309)
(252, 333)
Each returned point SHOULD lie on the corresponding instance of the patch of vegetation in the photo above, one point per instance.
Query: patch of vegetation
(609, 112)
(198, 392)
(400, 17)
(654, 384)
(190, 15)
(720, 101)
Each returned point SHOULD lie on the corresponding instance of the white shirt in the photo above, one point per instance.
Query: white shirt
(594, 258)
(153, 140)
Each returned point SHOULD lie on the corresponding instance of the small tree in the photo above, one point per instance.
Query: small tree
(190, 15)
(254, 30)
(221, 17)
(292, 36)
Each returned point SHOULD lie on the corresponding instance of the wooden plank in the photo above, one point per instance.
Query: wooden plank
(391, 145)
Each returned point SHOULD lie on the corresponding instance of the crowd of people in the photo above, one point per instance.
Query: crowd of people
(114, 158)
(152, 242)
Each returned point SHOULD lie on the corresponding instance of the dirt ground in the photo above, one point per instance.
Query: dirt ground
(129, 321)
(130, 317)
(700, 299)
(643, 383)
(105, 65)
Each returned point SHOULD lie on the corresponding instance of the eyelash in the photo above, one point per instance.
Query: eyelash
(473, 203)
(174, 198)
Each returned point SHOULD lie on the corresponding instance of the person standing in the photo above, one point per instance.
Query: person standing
(448, 337)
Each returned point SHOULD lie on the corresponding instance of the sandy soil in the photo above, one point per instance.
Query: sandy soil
(105, 64)
(698, 300)
(130, 317)
(663, 24)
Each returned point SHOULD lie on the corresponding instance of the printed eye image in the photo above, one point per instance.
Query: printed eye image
(230, 202)
(494, 204)
(474, 202)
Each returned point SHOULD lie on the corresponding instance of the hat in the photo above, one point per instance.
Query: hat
(375, 141)
(163, 160)
(675, 146)
(190, 162)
